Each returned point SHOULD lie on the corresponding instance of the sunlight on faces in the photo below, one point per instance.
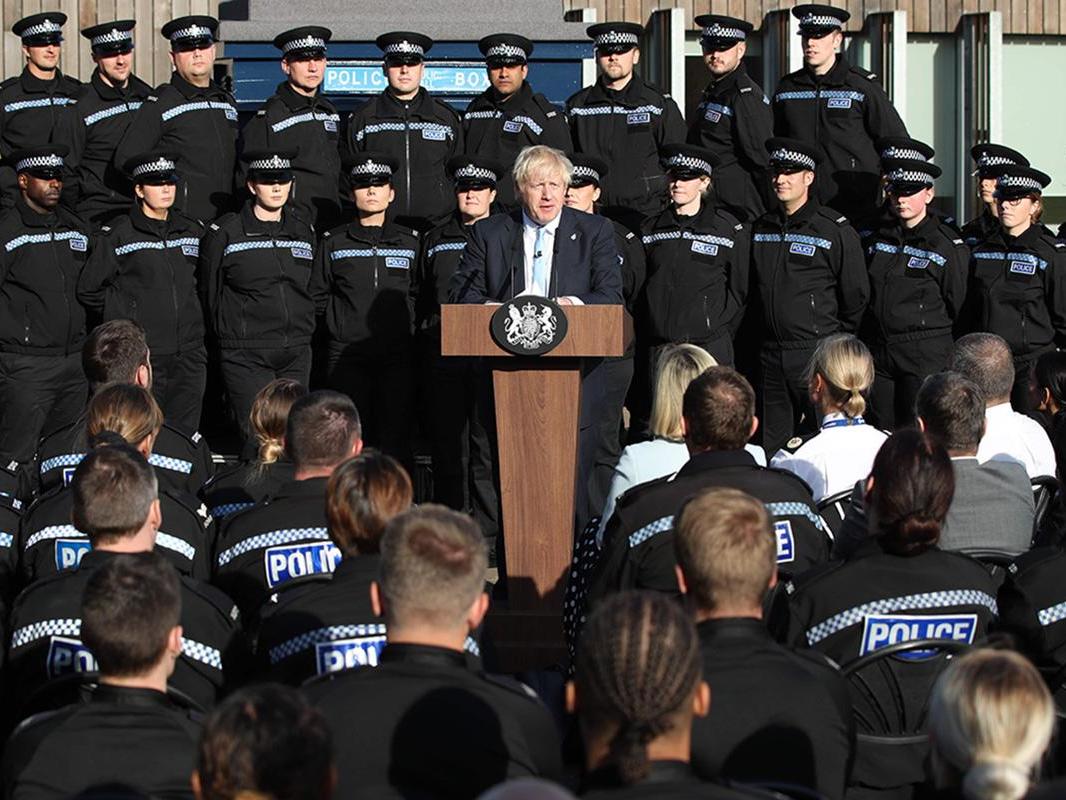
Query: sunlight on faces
(618, 66)
(45, 56)
(116, 68)
(791, 186)
(1016, 213)
(583, 198)
(722, 62)
(157, 197)
(404, 79)
(475, 203)
(270, 194)
(305, 74)
(508, 80)
(912, 206)
(194, 65)
(817, 52)
(684, 191)
(373, 199)
(987, 188)
(42, 193)
(542, 195)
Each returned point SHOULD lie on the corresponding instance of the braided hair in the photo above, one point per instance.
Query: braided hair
(637, 669)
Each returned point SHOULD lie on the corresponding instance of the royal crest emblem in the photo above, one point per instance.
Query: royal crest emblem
(529, 325)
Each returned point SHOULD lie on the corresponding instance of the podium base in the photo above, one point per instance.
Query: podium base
(524, 640)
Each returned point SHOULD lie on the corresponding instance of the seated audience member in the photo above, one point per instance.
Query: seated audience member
(839, 375)
(665, 453)
(990, 722)
(897, 586)
(636, 691)
(986, 360)
(251, 482)
(1048, 387)
(441, 728)
(266, 741)
(117, 352)
(767, 698)
(48, 543)
(718, 413)
(115, 502)
(128, 730)
(285, 540)
(328, 624)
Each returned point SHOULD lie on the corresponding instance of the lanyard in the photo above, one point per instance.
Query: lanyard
(840, 423)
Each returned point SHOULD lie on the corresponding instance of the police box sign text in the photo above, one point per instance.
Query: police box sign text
(442, 77)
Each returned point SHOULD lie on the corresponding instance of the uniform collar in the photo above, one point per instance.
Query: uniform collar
(716, 459)
(106, 90)
(549, 227)
(631, 94)
(357, 566)
(711, 630)
(835, 76)
(31, 83)
(726, 80)
(145, 224)
(253, 226)
(31, 218)
(658, 772)
(392, 106)
(296, 101)
(310, 487)
(674, 220)
(519, 98)
(804, 213)
(423, 654)
(372, 235)
(94, 559)
(130, 696)
(1028, 238)
(189, 91)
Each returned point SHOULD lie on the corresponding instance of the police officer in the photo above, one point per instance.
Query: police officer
(193, 116)
(917, 265)
(625, 122)
(143, 267)
(810, 275)
(93, 127)
(365, 282)
(509, 115)
(300, 119)
(255, 267)
(838, 107)
(32, 102)
(417, 130)
(988, 158)
(891, 148)
(43, 324)
(1017, 277)
(733, 119)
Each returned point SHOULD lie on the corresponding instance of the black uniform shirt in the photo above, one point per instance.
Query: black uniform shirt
(1032, 606)
(10, 519)
(666, 780)
(626, 129)
(30, 108)
(810, 275)
(425, 722)
(442, 251)
(46, 626)
(135, 736)
(145, 270)
(981, 227)
(242, 486)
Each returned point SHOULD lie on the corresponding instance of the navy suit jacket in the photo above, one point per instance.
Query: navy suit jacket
(584, 264)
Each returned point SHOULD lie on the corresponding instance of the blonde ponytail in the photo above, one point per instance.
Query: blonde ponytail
(846, 366)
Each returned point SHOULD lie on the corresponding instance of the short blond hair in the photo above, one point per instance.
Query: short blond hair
(539, 159)
(847, 368)
(677, 366)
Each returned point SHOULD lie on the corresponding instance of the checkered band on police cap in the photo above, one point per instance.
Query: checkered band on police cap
(191, 32)
(41, 28)
(304, 43)
(819, 21)
(504, 50)
(784, 155)
(583, 172)
(159, 165)
(719, 31)
(616, 37)
(908, 176)
(902, 152)
(474, 172)
(50, 161)
(113, 36)
(1019, 182)
(274, 162)
(680, 161)
(371, 168)
(404, 47)
(987, 160)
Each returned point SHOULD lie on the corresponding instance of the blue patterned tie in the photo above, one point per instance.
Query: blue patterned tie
(540, 266)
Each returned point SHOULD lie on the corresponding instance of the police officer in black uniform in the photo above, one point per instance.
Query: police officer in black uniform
(300, 119)
(92, 128)
(255, 270)
(918, 266)
(43, 325)
(416, 129)
(810, 276)
(509, 115)
(142, 266)
(193, 116)
(838, 107)
(624, 121)
(365, 282)
(32, 102)
(891, 148)
(988, 158)
(733, 119)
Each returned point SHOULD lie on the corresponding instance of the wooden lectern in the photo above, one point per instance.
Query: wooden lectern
(537, 404)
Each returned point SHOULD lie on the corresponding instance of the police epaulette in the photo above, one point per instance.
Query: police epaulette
(738, 226)
(512, 685)
(745, 89)
(9, 81)
(841, 220)
(327, 234)
(214, 226)
(796, 442)
(105, 228)
(415, 233)
(630, 235)
(222, 602)
(545, 105)
(957, 241)
(261, 112)
(151, 99)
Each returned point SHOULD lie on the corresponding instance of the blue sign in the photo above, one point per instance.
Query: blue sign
(348, 654)
(882, 630)
(786, 544)
(66, 655)
(440, 77)
(285, 563)
(69, 552)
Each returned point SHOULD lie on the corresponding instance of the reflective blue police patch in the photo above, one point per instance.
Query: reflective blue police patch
(231, 114)
(1022, 268)
(285, 563)
(302, 252)
(917, 263)
(705, 248)
(70, 552)
(711, 115)
(68, 475)
(510, 126)
(801, 249)
(882, 630)
(68, 655)
(191, 250)
(330, 125)
(838, 102)
(78, 244)
(786, 544)
(638, 118)
(434, 134)
(398, 263)
(348, 653)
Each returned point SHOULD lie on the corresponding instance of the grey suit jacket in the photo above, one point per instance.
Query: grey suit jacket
(993, 507)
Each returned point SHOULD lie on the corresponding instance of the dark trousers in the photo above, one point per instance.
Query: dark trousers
(245, 372)
(785, 404)
(1020, 398)
(38, 394)
(900, 368)
(178, 383)
(603, 413)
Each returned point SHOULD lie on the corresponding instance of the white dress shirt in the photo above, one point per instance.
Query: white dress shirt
(529, 242)
(1010, 436)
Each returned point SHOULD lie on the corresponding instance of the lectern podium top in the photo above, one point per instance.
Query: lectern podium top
(593, 332)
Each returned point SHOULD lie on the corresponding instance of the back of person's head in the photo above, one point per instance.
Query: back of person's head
(114, 352)
(1049, 377)
(952, 410)
(130, 608)
(913, 485)
(986, 360)
(322, 429)
(847, 369)
(362, 496)
(526, 789)
(433, 564)
(991, 719)
(125, 409)
(112, 491)
(726, 548)
(267, 742)
(676, 368)
(270, 415)
(718, 408)
(638, 669)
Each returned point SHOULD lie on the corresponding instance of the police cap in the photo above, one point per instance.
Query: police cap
(1014, 180)
(505, 49)
(687, 161)
(306, 42)
(45, 161)
(474, 172)
(153, 168)
(721, 32)
(110, 38)
(905, 176)
(988, 157)
(269, 166)
(38, 30)
(587, 170)
(615, 37)
(190, 33)
(791, 155)
(817, 20)
(890, 147)
(404, 47)
(370, 169)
